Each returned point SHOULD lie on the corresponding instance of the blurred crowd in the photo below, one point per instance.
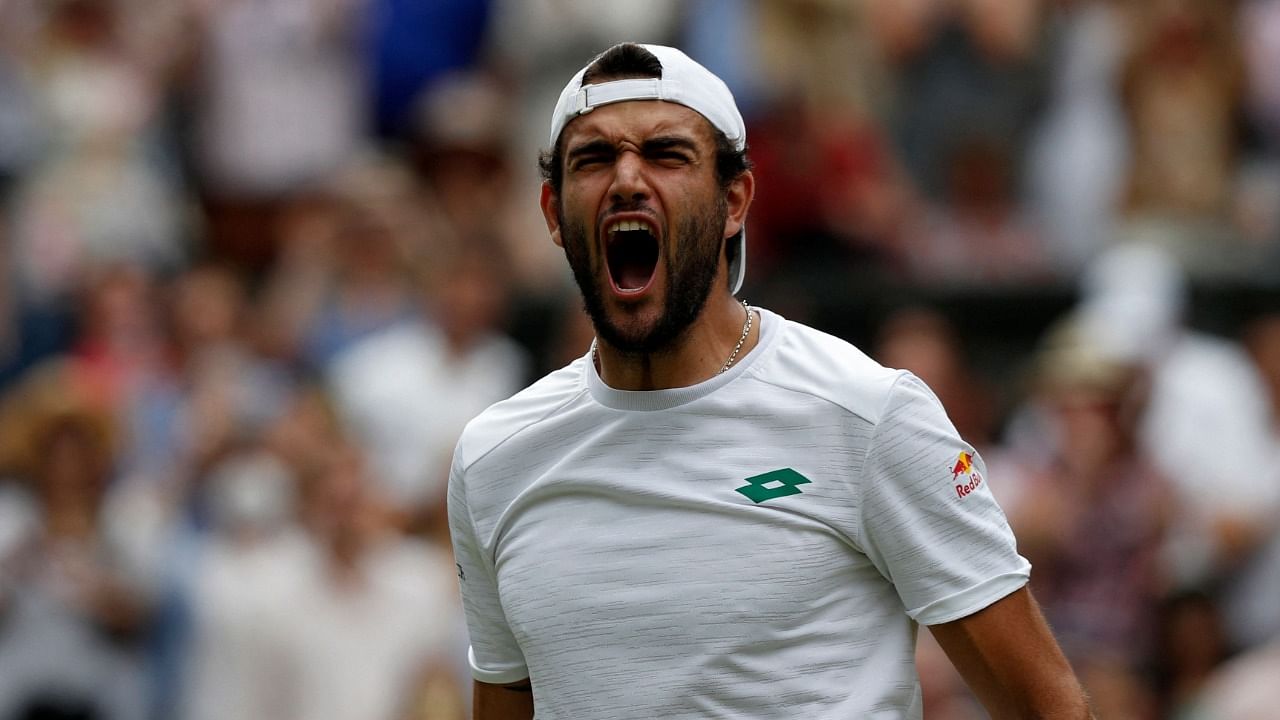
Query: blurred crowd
(261, 260)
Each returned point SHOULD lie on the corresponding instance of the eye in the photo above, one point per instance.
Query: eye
(670, 157)
(590, 155)
(587, 162)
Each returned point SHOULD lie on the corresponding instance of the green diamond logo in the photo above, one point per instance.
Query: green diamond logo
(775, 484)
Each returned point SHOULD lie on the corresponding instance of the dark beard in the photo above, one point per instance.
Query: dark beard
(689, 282)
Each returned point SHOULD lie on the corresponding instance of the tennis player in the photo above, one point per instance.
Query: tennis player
(717, 512)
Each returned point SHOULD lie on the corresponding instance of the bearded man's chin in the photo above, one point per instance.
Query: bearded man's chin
(688, 285)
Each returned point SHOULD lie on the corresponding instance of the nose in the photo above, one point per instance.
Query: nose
(629, 182)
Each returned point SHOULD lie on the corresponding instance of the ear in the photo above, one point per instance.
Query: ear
(738, 200)
(550, 203)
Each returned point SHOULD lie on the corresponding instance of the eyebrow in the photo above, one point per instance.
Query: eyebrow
(595, 147)
(649, 147)
(672, 142)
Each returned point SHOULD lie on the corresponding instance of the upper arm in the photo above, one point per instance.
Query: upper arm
(503, 702)
(495, 655)
(1009, 658)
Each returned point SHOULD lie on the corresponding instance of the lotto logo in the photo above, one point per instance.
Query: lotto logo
(772, 485)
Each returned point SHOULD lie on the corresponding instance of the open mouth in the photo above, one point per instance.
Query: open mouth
(631, 250)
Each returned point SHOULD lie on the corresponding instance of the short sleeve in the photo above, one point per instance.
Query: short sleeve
(929, 520)
(495, 656)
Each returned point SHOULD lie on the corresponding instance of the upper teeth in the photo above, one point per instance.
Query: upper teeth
(623, 225)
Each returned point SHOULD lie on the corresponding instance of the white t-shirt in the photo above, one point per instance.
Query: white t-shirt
(758, 545)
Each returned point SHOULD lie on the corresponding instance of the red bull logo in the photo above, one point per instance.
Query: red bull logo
(966, 478)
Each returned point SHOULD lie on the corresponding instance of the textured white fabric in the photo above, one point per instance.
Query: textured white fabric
(607, 551)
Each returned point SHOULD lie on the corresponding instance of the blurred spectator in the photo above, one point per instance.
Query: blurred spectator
(821, 53)
(100, 191)
(969, 85)
(1182, 88)
(343, 272)
(1116, 691)
(1256, 202)
(346, 620)
(1244, 688)
(179, 372)
(209, 395)
(18, 124)
(924, 341)
(407, 392)
(720, 34)
(831, 195)
(120, 344)
(461, 150)
(1078, 160)
(278, 107)
(1094, 512)
(964, 67)
(1259, 26)
(28, 331)
(1255, 214)
(244, 582)
(978, 233)
(411, 45)
(306, 434)
(1190, 647)
(1250, 611)
(230, 392)
(1206, 425)
(73, 623)
(375, 615)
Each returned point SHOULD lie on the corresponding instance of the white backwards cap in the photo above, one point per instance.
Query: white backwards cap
(684, 82)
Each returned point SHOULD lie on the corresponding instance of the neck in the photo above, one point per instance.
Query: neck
(698, 354)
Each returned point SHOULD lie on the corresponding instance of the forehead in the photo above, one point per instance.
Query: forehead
(636, 121)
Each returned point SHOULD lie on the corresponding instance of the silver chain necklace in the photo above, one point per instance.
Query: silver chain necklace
(746, 330)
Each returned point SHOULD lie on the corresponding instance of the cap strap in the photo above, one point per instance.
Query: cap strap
(592, 96)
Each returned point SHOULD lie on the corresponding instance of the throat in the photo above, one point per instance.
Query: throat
(694, 358)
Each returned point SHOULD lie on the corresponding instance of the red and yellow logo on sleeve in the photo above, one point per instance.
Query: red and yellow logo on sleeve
(963, 474)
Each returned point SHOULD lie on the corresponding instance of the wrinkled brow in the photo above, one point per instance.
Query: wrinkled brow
(673, 142)
(648, 147)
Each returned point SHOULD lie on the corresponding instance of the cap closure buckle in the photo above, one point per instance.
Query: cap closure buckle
(582, 104)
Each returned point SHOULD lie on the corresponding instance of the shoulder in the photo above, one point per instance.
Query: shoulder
(519, 413)
(811, 362)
